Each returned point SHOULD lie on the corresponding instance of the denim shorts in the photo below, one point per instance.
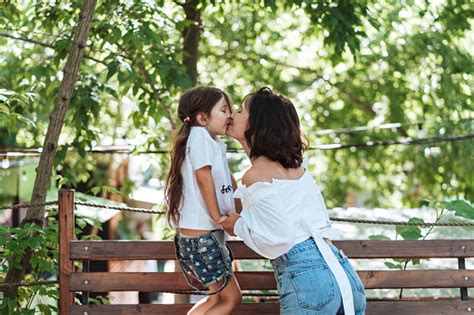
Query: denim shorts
(307, 286)
(205, 258)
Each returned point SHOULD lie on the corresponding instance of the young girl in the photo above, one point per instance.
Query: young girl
(199, 190)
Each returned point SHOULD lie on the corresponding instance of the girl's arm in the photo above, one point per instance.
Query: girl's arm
(208, 192)
(238, 202)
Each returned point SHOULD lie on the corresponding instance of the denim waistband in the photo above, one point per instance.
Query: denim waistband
(202, 240)
(301, 249)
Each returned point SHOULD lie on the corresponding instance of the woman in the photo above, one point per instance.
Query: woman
(284, 217)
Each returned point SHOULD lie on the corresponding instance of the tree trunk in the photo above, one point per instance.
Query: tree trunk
(191, 37)
(44, 170)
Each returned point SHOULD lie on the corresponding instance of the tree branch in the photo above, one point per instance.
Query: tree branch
(367, 108)
(142, 69)
(36, 42)
(150, 81)
(357, 102)
(156, 93)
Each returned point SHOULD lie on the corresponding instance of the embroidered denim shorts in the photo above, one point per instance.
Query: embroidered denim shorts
(307, 286)
(205, 258)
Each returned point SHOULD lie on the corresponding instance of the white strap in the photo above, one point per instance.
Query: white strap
(338, 272)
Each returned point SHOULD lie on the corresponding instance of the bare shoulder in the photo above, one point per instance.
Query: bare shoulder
(255, 174)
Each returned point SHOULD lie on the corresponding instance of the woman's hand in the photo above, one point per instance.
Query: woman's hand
(229, 223)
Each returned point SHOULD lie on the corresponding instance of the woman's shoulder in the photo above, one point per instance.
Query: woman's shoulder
(255, 175)
(254, 182)
(269, 172)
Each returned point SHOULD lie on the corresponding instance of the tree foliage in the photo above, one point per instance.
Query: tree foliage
(343, 63)
(349, 63)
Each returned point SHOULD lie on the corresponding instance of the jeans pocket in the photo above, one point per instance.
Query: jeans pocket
(315, 288)
(212, 255)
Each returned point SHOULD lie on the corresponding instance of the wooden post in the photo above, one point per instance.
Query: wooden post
(66, 235)
(462, 266)
(85, 294)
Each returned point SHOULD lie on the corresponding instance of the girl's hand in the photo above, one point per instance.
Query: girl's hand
(222, 219)
(229, 223)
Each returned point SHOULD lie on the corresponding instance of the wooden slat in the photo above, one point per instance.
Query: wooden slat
(373, 308)
(417, 279)
(122, 250)
(163, 250)
(66, 234)
(432, 307)
(407, 248)
(146, 309)
(165, 281)
(157, 281)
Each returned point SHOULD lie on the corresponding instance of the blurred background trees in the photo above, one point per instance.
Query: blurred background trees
(344, 64)
(359, 72)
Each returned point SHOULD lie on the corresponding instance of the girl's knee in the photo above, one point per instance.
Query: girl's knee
(214, 298)
(234, 299)
(238, 297)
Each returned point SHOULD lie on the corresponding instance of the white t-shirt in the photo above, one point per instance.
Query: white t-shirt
(203, 150)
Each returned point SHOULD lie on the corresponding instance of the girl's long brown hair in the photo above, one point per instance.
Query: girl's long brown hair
(200, 99)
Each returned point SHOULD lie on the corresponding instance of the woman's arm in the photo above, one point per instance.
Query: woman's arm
(262, 227)
(208, 192)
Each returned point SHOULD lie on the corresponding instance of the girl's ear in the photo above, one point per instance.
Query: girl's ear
(201, 119)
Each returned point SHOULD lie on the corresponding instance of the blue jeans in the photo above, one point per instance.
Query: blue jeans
(307, 286)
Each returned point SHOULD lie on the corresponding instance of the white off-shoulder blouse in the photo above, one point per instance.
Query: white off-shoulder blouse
(280, 214)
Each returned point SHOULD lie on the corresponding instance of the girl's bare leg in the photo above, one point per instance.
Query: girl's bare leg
(229, 298)
(203, 305)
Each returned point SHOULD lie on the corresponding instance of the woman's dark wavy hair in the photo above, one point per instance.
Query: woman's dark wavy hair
(274, 128)
(201, 99)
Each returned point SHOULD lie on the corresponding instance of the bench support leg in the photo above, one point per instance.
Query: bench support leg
(462, 266)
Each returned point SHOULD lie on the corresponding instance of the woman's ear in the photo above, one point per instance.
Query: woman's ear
(201, 119)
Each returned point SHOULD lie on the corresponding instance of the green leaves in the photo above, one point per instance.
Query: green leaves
(45, 309)
(104, 190)
(378, 237)
(392, 265)
(462, 208)
(9, 102)
(410, 232)
(43, 242)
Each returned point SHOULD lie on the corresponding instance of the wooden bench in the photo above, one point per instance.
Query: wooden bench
(72, 281)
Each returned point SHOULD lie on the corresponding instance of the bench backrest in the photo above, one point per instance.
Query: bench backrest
(72, 281)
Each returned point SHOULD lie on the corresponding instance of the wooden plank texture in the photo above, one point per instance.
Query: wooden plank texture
(434, 307)
(167, 281)
(163, 250)
(66, 234)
